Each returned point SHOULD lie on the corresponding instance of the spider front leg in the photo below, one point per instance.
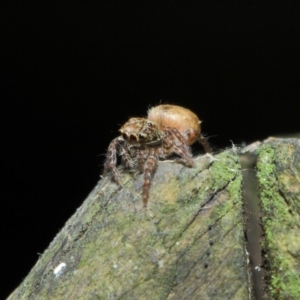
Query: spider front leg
(128, 156)
(149, 169)
(110, 164)
(141, 158)
(176, 143)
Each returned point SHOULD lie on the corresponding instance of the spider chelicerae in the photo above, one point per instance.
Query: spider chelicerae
(167, 130)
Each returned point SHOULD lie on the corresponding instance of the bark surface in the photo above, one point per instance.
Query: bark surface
(278, 168)
(189, 243)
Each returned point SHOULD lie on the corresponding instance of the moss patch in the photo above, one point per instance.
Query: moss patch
(276, 169)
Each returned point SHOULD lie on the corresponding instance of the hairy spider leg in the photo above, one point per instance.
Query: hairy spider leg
(111, 160)
(149, 169)
(205, 144)
(201, 139)
(176, 143)
(141, 158)
(128, 155)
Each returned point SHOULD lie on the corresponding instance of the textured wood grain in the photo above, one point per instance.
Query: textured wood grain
(187, 244)
(279, 178)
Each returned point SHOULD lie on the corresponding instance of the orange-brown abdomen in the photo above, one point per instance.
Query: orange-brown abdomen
(184, 120)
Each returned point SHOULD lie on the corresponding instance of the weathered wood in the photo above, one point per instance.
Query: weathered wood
(278, 168)
(187, 244)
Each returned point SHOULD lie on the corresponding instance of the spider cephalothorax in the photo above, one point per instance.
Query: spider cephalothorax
(169, 129)
(138, 131)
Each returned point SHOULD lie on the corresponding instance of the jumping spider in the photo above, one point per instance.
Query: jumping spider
(168, 129)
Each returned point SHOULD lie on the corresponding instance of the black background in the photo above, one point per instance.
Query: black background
(73, 72)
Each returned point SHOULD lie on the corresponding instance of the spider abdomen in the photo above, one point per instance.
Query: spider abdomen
(173, 116)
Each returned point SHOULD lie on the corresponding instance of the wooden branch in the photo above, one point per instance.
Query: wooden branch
(279, 178)
(189, 243)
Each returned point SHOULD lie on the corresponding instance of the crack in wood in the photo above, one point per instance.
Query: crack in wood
(253, 228)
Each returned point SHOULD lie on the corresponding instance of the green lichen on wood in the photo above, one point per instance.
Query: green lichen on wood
(187, 244)
(279, 177)
(228, 171)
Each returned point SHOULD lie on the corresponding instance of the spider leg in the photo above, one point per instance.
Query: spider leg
(149, 169)
(205, 144)
(141, 158)
(110, 164)
(128, 156)
(176, 143)
(194, 135)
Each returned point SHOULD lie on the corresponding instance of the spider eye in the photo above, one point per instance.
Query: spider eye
(125, 136)
(142, 136)
(133, 137)
(149, 124)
